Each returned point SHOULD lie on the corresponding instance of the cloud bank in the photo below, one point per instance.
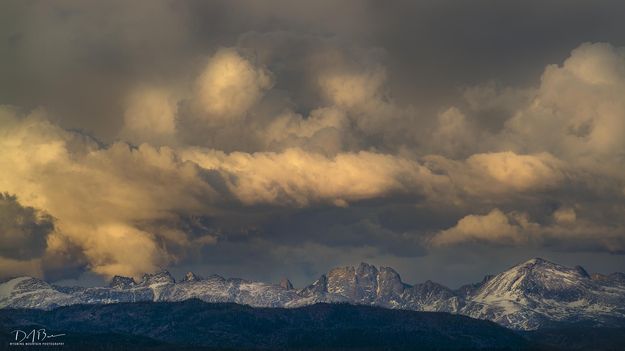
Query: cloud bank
(270, 140)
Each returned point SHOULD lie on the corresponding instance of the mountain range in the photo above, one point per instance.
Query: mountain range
(532, 295)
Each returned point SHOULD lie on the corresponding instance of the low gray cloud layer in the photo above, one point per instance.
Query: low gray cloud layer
(228, 136)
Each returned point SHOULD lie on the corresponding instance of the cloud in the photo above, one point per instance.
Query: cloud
(103, 199)
(150, 116)
(454, 135)
(494, 227)
(503, 177)
(14, 268)
(577, 113)
(360, 89)
(170, 124)
(565, 232)
(352, 89)
(229, 86)
(23, 230)
(134, 199)
(565, 215)
(124, 208)
(296, 177)
(322, 131)
(520, 172)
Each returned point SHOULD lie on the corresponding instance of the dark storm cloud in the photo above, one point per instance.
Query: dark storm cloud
(23, 230)
(283, 137)
(80, 58)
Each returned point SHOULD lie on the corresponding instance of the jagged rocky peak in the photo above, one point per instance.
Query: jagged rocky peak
(321, 284)
(120, 282)
(191, 277)
(319, 287)
(582, 271)
(366, 270)
(162, 277)
(286, 284)
(358, 283)
(362, 284)
(340, 272)
(430, 290)
(389, 282)
(342, 280)
(365, 283)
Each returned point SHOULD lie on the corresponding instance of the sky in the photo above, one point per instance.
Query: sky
(269, 139)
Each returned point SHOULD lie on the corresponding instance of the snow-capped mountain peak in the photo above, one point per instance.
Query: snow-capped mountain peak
(536, 291)
(119, 282)
(191, 277)
(162, 277)
(529, 295)
(28, 292)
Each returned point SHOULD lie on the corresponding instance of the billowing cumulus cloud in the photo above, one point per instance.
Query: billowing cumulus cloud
(189, 134)
(521, 172)
(352, 90)
(295, 177)
(127, 203)
(576, 112)
(453, 135)
(495, 227)
(229, 86)
(101, 198)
